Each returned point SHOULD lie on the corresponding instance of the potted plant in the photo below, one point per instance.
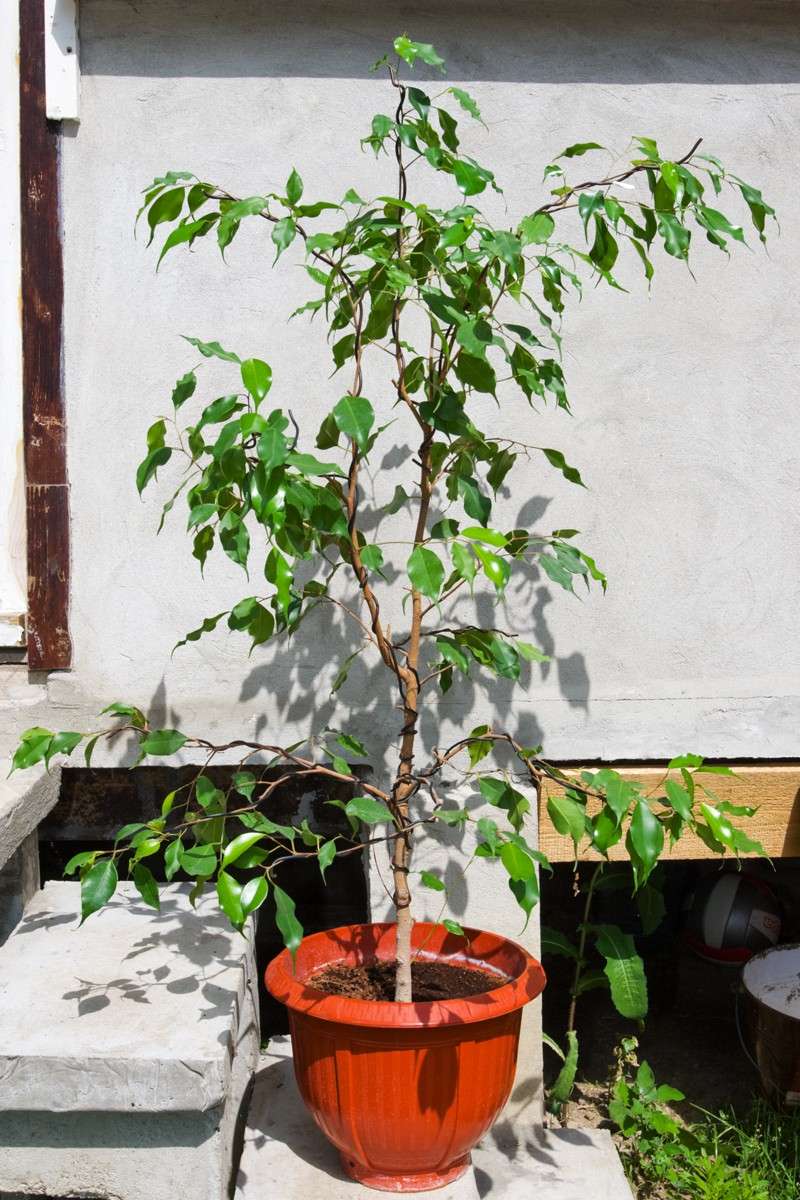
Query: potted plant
(404, 1034)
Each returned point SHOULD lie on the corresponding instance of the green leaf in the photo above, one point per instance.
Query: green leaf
(307, 464)
(502, 795)
(496, 569)
(212, 350)
(80, 860)
(426, 572)
(288, 924)
(466, 102)
(531, 653)
(411, 51)
(352, 744)
(146, 885)
(555, 942)
(326, 855)
(253, 894)
(184, 388)
(368, 810)
(676, 236)
(97, 887)
(556, 459)
(429, 880)
(453, 927)
(148, 467)
(199, 860)
(476, 505)
(229, 894)
(625, 971)
(162, 742)
(166, 208)
(256, 377)
(294, 188)
(463, 561)
(283, 234)
(568, 817)
(355, 417)
(451, 652)
(235, 849)
(652, 909)
(476, 373)
(578, 149)
(561, 1090)
(645, 840)
(679, 798)
(536, 229)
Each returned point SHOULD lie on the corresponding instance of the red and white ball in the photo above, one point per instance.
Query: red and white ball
(731, 917)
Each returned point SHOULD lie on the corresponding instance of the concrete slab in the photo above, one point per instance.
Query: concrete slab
(138, 1009)
(286, 1156)
(127, 1049)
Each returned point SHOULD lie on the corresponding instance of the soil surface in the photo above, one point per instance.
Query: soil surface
(429, 981)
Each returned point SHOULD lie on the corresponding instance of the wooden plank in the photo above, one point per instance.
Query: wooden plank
(47, 495)
(773, 788)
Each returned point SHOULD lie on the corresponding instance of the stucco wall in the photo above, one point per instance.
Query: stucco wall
(685, 401)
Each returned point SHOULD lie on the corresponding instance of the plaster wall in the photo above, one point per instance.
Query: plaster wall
(685, 399)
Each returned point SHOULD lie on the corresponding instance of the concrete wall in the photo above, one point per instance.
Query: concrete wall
(685, 400)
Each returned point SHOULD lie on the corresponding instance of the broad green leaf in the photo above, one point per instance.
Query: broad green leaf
(625, 971)
(294, 188)
(146, 885)
(256, 377)
(355, 417)
(429, 880)
(199, 860)
(148, 467)
(568, 817)
(162, 742)
(368, 810)
(646, 839)
(98, 886)
(426, 572)
(235, 849)
(283, 234)
(80, 860)
(555, 942)
(290, 928)
(229, 894)
(536, 228)
(167, 207)
(453, 927)
(411, 51)
(253, 894)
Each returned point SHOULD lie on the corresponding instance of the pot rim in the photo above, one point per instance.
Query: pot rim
(285, 985)
(753, 996)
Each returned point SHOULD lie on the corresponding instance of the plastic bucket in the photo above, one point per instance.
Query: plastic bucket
(771, 992)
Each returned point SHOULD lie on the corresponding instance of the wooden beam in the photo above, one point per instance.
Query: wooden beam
(773, 788)
(47, 488)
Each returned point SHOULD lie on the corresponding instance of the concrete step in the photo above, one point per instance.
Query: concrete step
(126, 1047)
(286, 1157)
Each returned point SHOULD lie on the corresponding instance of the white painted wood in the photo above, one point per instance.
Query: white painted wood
(12, 483)
(61, 59)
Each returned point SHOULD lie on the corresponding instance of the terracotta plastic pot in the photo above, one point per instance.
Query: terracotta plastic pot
(405, 1091)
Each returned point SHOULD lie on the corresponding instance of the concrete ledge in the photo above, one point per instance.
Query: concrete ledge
(136, 1010)
(25, 798)
(127, 1049)
(286, 1156)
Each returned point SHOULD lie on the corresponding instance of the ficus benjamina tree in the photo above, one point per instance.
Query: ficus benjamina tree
(466, 314)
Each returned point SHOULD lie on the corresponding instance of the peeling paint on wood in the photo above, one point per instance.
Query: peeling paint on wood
(47, 489)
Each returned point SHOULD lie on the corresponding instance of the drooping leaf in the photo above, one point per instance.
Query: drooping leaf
(98, 886)
(625, 971)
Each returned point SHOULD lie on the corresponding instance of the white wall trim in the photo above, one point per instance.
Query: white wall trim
(61, 59)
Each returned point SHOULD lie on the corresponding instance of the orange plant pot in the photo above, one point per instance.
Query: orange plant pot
(405, 1091)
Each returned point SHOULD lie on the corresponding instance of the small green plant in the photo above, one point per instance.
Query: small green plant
(439, 318)
(719, 1157)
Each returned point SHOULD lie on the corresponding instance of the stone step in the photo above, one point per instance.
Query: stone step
(126, 1047)
(286, 1157)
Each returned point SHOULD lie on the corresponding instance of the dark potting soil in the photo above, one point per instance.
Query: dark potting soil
(429, 981)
